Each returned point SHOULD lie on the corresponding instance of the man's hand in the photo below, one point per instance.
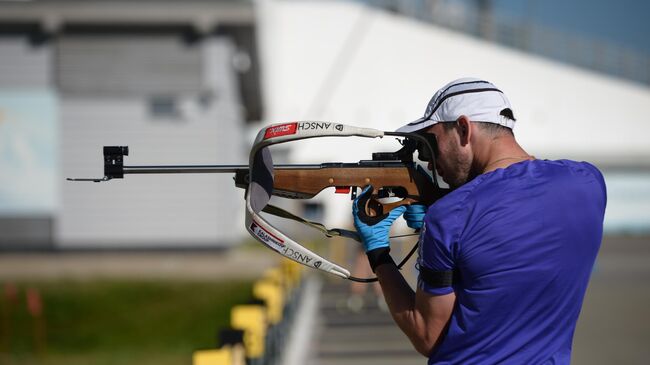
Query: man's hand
(374, 235)
(414, 215)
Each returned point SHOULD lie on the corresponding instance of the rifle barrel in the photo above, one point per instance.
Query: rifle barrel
(193, 169)
(118, 171)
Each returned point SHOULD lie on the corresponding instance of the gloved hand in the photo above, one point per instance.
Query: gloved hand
(374, 235)
(414, 215)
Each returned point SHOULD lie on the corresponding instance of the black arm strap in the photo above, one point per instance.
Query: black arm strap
(379, 256)
(436, 279)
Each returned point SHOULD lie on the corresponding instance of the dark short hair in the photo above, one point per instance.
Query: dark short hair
(494, 129)
(490, 128)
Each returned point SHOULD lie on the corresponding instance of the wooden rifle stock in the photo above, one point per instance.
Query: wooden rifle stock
(399, 181)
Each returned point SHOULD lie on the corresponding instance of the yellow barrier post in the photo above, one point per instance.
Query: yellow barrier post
(279, 277)
(273, 296)
(238, 354)
(222, 356)
(234, 338)
(252, 319)
(292, 271)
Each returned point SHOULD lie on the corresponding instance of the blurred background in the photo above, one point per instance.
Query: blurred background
(191, 82)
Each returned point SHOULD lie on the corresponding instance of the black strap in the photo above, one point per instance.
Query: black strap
(379, 256)
(436, 279)
(279, 212)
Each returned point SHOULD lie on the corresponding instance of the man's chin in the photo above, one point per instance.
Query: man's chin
(454, 183)
(451, 184)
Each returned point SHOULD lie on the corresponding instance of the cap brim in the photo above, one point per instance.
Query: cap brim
(416, 125)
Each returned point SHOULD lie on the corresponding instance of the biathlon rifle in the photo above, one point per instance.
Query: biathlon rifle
(393, 175)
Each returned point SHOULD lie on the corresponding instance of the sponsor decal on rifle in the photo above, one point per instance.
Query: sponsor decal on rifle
(280, 130)
(266, 236)
(317, 264)
(291, 253)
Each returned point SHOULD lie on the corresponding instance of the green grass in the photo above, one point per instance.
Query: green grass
(120, 322)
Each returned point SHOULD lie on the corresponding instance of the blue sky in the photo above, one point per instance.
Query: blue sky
(623, 22)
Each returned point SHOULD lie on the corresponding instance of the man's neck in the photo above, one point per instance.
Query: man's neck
(499, 152)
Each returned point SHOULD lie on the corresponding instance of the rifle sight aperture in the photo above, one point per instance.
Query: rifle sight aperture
(404, 154)
(114, 161)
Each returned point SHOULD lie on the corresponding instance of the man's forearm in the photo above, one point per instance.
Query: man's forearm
(401, 301)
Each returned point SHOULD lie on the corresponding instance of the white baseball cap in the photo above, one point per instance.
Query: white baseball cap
(477, 99)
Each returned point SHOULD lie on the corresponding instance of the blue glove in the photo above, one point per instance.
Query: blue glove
(374, 234)
(414, 215)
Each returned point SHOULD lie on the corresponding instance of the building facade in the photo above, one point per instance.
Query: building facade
(177, 83)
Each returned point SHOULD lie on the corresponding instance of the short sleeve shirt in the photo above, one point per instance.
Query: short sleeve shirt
(521, 242)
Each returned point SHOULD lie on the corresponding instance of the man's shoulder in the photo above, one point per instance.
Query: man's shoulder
(461, 194)
(455, 202)
(530, 170)
(570, 164)
(570, 169)
(524, 176)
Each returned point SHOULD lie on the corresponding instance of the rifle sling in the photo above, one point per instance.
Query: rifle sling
(279, 212)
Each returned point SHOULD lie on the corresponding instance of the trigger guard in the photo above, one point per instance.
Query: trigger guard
(371, 221)
(391, 200)
(363, 202)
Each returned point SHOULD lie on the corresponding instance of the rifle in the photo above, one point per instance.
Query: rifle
(394, 176)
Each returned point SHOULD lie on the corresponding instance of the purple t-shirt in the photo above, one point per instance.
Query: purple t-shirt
(521, 242)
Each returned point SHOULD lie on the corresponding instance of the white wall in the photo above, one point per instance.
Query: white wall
(392, 65)
(23, 66)
(340, 61)
(154, 210)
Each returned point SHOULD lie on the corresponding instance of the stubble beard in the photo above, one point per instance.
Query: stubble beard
(459, 172)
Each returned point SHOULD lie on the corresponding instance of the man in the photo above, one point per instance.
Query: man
(506, 256)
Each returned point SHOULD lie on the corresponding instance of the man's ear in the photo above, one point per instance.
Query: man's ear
(464, 128)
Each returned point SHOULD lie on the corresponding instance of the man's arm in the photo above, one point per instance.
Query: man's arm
(421, 316)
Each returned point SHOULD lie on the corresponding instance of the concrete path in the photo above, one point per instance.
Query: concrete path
(367, 337)
(614, 325)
